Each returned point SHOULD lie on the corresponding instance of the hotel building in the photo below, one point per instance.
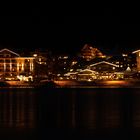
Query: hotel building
(13, 66)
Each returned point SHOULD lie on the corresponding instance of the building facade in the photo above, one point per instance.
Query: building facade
(98, 71)
(89, 53)
(13, 66)
(137, 59)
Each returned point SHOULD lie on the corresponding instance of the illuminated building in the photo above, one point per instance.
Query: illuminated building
(12, 65)
(62, 63)
(44, 62)
(40, 56)
(97, 71)
(89, 53)
(137, 59)
(87, 74)
(107, 70)
(124, 61)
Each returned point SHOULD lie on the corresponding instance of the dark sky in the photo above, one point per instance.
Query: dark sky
(109, 29)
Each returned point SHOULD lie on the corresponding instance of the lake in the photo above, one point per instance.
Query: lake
(70, 113)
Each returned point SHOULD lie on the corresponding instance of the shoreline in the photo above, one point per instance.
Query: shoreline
(100, 84)
(132, 83)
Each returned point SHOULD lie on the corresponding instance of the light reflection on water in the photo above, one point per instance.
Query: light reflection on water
(17, 109)
(88, 109)
(91, 109)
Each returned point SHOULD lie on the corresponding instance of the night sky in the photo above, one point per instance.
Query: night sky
(111, 30)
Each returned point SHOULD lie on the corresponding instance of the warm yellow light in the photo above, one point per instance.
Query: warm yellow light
(35, 55)
(61, 78)
(65, 57)
(39, 59)
(124, 55)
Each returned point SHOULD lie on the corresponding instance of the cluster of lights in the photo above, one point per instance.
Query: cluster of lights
(24, 78)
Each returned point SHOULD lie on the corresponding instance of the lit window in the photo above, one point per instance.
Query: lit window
(39, 59)
(35, 55)
(124, 55)
(121, 66)
(65, 57)
(113, 68)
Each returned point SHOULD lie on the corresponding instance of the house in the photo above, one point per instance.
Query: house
(13, 66)
(99, 71)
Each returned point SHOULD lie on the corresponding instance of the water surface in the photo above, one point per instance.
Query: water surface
(69, 113)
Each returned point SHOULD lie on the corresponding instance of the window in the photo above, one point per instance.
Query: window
(7, 60)
(13, 61)
(1, 61)
(7, 55)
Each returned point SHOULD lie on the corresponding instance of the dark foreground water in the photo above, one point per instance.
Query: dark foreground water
(69, 113)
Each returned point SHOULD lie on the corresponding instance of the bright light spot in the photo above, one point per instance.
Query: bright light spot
(89, 80)
(35, 55)
(128, 69)
(124, 55)
(61, 78)
(65, 57)
(25, 78)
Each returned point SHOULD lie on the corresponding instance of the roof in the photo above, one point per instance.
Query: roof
(5, 49)
(105, 63)
(136, 51)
